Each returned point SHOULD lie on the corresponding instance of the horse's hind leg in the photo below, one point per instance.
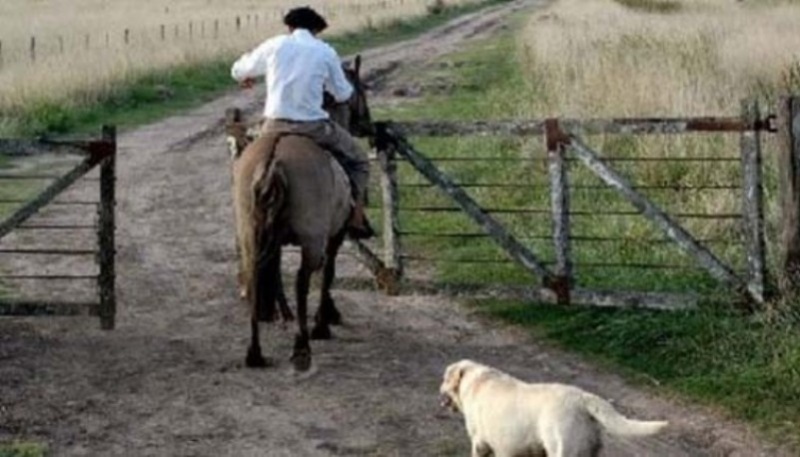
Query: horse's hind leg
(283, 304)
(255, 359)
(312, 260)
(327, 314)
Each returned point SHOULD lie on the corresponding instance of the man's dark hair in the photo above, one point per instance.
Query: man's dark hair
(305, 18)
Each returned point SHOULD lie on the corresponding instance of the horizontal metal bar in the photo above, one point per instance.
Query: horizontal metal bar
(605, 159)
(466, 185)
(64, 203)
(48, 277)
(636, 266)
(601, 239)
(630, 126)
(632, 266)
(7, 176)
(665, 187)
(482, 159)
(55, 227)
(48, 251)
(47, 308)
(20, 147)
(578, 238)
(415, 258)
(451, 209)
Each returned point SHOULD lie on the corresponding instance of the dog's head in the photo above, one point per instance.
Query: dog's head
(450, 390)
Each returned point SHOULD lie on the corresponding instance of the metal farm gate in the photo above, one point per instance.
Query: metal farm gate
(724, 244)
(57, 228)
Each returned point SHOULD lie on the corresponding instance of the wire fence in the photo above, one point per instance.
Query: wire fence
(42, 46)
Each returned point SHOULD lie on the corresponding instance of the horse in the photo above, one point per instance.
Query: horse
(299, 196)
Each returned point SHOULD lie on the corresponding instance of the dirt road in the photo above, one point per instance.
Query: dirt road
(170, 380)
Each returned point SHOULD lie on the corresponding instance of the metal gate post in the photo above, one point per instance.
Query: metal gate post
(105, 233)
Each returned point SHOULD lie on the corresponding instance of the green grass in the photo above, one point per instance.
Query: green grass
(22, 449)
(160, 93)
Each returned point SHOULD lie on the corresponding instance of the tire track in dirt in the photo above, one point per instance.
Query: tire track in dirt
(170, 381)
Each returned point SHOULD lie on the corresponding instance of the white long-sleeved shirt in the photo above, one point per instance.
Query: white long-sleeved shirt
(298, 68)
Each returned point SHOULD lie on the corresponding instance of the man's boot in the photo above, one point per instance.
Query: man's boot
(358, 226)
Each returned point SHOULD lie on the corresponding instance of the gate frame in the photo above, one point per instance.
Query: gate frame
(390, 141)
(100, 152)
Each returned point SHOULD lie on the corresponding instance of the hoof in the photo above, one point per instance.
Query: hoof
(328, 313)
(321, 332)
(301, 359)
(334, 317)
(256, 360)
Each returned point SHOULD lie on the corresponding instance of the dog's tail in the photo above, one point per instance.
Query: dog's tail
(615, 423)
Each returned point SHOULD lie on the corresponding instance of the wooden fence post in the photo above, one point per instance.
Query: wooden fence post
(559, 197)
(60, 44)
(789, 169)
(163, 32)
(106, 226)
(127, 36)
(753, 201)
(391, 200)
(33, 49)
(216, 28)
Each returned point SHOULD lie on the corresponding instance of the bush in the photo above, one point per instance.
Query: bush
(652, 6)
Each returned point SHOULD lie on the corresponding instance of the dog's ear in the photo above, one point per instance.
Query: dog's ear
(452, 377)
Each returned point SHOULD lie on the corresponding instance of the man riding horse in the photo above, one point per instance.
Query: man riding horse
(299, 69)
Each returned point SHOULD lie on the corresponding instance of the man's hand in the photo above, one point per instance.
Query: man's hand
(247, 83)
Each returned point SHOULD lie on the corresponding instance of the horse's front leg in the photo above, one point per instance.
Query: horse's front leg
(327, 314)
(301, 357)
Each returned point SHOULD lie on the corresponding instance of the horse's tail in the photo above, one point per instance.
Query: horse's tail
(269, 197)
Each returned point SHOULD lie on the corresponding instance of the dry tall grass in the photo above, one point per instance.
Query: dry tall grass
(600, 58)
(95, 56)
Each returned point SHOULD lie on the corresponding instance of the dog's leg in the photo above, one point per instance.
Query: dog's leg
(575, 440)
(481, 449)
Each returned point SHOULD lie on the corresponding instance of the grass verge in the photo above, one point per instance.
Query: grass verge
(751, 368)
(23, 449)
